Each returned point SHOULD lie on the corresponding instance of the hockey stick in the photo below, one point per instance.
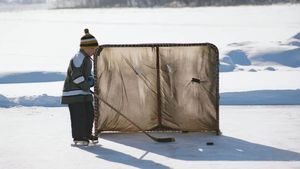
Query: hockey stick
(162, 140)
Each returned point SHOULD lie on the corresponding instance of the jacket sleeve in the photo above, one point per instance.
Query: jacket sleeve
(78, 78)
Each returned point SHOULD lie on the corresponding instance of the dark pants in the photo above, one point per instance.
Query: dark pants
(82, 118)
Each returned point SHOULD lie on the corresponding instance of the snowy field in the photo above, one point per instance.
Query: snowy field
(45, 40)
(259, 49)
(257, 137)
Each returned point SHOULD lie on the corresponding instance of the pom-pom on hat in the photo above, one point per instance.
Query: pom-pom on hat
(88, 40)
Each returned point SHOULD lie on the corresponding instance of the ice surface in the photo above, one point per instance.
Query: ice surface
(253, 137)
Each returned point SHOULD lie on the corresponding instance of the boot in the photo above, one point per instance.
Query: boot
(81, 142)
(93, 139)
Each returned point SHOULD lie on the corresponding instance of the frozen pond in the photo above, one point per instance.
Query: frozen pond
(253, 137)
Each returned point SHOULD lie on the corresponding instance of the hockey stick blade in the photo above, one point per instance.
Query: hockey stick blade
(161, 140)
(164, 140)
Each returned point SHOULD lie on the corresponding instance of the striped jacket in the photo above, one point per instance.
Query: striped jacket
(76, 89)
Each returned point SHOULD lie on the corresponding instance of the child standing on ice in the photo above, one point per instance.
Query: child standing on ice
(76, 91)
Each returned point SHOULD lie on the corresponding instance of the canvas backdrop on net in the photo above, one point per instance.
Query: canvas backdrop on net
(158, 86)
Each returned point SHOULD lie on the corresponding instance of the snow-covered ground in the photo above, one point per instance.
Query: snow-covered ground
(259, 49)
(45, 40)
(253, 137)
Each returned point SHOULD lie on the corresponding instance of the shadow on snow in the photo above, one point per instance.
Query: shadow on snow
(120, 157)
(191, 147)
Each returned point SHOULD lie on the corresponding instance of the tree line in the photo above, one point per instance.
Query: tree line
(146, 3)
(160, 3)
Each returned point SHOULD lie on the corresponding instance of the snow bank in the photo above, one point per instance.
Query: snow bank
(42, 100)
(238, 57)
(28, 101)
(29, 77)
(5, 102)
(295, 40)
(225, 67)
(290, 58)
(286, 53)
(270, 68)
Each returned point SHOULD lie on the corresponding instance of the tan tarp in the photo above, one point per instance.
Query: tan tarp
(158, 86)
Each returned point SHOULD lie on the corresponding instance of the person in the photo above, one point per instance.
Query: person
(76, 91)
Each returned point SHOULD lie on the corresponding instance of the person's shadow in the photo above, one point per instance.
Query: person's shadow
(189, 147)
(119, 157)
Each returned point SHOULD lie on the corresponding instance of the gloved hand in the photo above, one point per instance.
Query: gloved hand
(91, 81)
